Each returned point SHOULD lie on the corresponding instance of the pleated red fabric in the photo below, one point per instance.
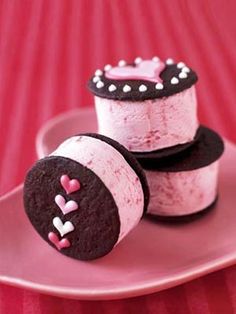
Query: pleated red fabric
(49, 49)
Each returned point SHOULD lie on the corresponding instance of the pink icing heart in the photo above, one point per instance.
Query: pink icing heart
(147, 70)
(69, 186)
(66, 207)
(59, 244)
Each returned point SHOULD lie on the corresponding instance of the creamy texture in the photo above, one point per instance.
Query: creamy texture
(182, 193)
(117, 175)
(151, 124)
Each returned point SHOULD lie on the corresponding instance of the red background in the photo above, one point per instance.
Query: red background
(48, 50)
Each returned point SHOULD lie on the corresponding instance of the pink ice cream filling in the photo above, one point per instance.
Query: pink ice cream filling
(117, 175)
(182, 193)
(143, 126)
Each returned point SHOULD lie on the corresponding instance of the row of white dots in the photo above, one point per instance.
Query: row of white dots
(138, 60)
(142, 88)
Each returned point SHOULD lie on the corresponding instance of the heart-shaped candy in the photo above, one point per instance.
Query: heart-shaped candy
(146, 70)
(66, 207)
(69, 185)
(59, 244)
(62, 228)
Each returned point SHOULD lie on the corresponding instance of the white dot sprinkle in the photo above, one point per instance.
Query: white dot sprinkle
(126, 89)
(169, 61)
(96, 79)
(142, 88)
(98, 72)
(183, 75)
(159, 86)
(121, 63)
(180, 65)
(99, 84)
(155, 59)
(112, 88)
(107, 67)
(185, 69)
(138, 60)
(174, 80)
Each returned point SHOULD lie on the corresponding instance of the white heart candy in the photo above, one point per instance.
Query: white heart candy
(63, 228)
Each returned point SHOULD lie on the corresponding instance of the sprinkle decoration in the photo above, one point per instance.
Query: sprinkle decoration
(180, 65)
(141, 71)
(138, 60)
(69, 185)
(169, 61)
(121, 63)
(98, 72)
(185, 69)
(59, 244)
(65, 207)
(107, 67)
(174, 80)
(142, 88)
(159, 86)
(96, 79)
(155, 59)
(62, 228)
(112, 88)
(183, 75)
(126, 89)
(100, 84)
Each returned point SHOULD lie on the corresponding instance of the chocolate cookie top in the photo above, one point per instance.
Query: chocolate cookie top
(142, 80)
(208, 148)
(81, 221)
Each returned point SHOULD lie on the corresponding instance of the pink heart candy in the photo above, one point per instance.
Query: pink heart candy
(69, 185)
(146, 70)
(66, 207)
(59, 244)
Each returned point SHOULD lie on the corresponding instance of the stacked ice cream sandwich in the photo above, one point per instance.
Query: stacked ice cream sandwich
(91, 191)
(150, 107)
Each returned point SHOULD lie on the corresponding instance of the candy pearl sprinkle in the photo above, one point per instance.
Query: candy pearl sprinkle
(121, 63)
(180, 65)
(174, 80)
(98, 72)
(112, 88)
(138, 60)
(99, 84)
(155, 59)
(159, 86)
(126, 89)
(142, 88)
(183, 75)
(107, 67)
(185, 69)
(96, 79)
(169, 61)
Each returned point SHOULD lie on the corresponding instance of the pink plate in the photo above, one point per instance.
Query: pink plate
(152, 257)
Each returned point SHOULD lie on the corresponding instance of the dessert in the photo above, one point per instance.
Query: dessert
(86, 196)
(148, 105)
(187, 183)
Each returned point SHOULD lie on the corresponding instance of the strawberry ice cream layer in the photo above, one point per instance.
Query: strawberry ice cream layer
(182, 193)
(151, 124)
(117, 175)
